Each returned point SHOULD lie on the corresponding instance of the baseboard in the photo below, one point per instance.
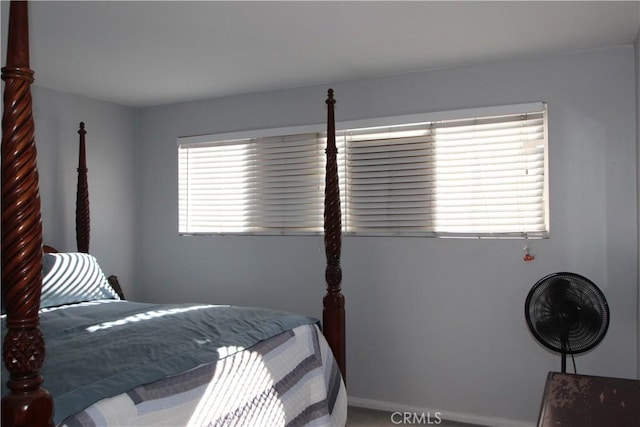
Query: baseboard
(448, 415)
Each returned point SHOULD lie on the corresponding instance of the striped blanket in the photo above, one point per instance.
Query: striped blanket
(280, 372)
(289, 380)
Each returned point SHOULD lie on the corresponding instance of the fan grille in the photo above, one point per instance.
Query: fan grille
(567, 313)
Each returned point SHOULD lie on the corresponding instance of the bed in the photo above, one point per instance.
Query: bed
(228, 366)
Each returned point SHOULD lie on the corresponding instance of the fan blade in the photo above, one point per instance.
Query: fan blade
(579, 295)
(553, 327)
(590, 319)
(559, 288)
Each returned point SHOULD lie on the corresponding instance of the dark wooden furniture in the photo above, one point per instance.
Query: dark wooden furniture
(29, 404)
(589, 401)
(83, 218)
(333, 315)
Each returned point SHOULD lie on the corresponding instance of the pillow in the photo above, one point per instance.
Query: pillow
(68, 278)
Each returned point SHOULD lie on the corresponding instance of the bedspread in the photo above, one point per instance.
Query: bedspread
(232, 363)
(289, 380)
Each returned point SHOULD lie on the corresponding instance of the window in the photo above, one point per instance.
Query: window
(253, 185)
(479, 173)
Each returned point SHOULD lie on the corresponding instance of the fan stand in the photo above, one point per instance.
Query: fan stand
(569, 312)
(565, 348)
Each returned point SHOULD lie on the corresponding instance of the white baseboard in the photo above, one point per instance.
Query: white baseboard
(446, 415)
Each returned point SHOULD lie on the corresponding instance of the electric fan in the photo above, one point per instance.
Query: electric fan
(567, 313)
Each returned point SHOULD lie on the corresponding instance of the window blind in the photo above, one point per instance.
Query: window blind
(471, 175)
(272, 184)
(479, 176)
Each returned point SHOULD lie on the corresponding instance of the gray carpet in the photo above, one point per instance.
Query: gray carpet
(361, 417)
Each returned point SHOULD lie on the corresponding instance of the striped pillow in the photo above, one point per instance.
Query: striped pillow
(73, 277)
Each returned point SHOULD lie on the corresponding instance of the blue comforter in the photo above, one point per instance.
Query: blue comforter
(104, 349)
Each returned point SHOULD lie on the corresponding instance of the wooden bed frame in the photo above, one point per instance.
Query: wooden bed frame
(29, 404)
(83, 216)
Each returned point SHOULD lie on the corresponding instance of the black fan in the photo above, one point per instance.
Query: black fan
(567, 313)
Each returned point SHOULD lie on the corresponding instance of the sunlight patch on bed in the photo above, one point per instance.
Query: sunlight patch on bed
(147, 315)
(242, 392)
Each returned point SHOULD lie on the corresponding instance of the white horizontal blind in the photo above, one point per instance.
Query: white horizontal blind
(468, 176)
(390, 179)
(269, 185)
(483, 176)
(490, 175)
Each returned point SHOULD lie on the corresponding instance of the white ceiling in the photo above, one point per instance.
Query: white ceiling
(150, 53)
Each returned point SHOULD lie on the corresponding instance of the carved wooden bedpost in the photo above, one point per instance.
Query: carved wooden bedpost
(82, 197)
(23, 349)
(333, 315)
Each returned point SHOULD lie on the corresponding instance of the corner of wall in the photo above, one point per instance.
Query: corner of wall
(138, 220)
(637, 74)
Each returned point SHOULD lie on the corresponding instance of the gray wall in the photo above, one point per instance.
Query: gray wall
(111, 160)
(432, 323)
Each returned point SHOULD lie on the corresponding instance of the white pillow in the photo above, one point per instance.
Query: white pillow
(73, 277)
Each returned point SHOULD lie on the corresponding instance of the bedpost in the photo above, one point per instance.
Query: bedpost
(82, 197)
(333, 316)
(23, 350)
